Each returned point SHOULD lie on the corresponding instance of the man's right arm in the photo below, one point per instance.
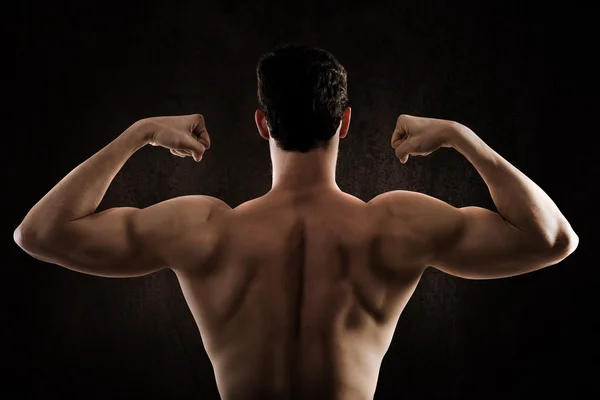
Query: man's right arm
(527, 233)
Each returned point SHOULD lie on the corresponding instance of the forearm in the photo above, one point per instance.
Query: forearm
(81, 191)
(518, 199)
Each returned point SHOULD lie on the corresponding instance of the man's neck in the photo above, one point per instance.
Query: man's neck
(301, 172)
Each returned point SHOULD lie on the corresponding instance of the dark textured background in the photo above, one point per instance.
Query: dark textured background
(82, 74)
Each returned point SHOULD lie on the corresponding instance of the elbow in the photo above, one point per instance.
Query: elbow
(552, 248)
(19, 237)
(26, 238)
(567, 243)
(30, 242)
(563, 245)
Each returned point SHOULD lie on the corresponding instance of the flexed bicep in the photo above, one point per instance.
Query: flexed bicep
(469, 242)
(480, 244)
(125, 241)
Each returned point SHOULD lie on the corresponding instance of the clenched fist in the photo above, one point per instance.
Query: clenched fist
(418, 136)
(184, 135)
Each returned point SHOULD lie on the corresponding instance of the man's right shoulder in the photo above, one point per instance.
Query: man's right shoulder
(403, 203)
(407, 226)
(423, 215)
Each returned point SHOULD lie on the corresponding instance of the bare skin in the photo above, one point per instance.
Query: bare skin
(297, 293)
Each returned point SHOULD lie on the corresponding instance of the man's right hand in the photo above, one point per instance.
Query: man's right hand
(418, 136)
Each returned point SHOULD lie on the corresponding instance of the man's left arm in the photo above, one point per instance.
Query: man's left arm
(63, 228)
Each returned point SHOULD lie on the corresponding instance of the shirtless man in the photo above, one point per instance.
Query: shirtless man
(297, 293)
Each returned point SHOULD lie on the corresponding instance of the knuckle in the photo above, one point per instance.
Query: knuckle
(198, 118)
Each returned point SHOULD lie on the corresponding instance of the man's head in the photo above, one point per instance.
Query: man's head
(302, 97)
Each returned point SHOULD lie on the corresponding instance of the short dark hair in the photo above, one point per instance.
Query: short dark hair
(303, 93)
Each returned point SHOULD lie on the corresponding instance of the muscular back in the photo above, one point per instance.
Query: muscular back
(296, 296)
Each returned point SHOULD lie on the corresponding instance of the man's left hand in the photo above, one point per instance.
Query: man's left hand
(184, 135)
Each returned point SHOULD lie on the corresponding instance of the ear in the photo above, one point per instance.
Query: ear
(345, 122)
(261, 124)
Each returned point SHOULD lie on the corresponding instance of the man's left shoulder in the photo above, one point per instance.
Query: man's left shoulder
(188, 210)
